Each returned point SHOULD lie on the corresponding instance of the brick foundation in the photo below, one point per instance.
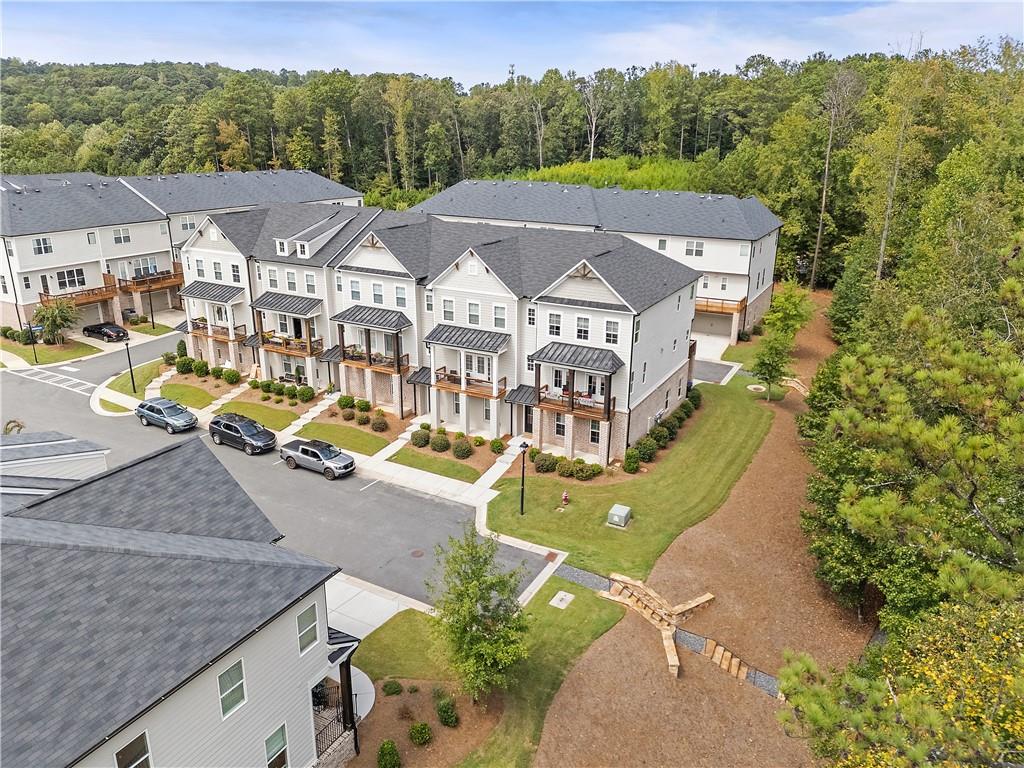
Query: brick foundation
(757, 308)
(642, 414)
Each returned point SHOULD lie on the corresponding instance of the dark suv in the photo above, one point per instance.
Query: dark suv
(241, 432)
(106, 332)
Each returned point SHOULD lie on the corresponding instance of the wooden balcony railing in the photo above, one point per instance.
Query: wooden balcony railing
(577, 403)
(356, 356)
(167, 278)
(720, 306)
(475, 385)
(289, 346)
(210, 330)
(85, 295)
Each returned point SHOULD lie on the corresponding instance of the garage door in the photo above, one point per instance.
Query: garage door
(160, 301)
(708, 322)
(89, 314)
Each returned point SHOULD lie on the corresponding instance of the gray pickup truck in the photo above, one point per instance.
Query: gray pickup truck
(319, 456)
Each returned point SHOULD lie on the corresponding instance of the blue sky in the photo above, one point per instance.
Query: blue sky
(476, 42)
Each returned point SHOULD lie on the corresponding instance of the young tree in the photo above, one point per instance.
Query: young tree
(790, 311)
(232, 147)
(55, 318)
(480, 620)
(771, 362)
(331, 144)
(300, 149)
(437, 154)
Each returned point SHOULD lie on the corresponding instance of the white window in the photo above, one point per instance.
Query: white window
(559, 378)
(695, 248)
(71, 278)
(636, 331)
(643, 374)
(529, 365)
(662, 244)
(473, 312)
(725, 282)
(472, 268)
(282, 323)
(339, 282)
(499, 315)
(666, 398)
(399, 295)
(231, 683)
(26, 280)
(163, 227)
(456, 403)
(3, 284)
(41, 245)
(303, 252)
(704, 283)
(560, 424)
(289, 277)
(122, 235)
(236, 274)
(188, 223)
(595, 431)
(276, 746)
(259, 272)
(692, 287)
(282, 247)
(200, 268)
(631, 381)
(218, 273)
(487, 410)
(679, 301)
(583, 328)
(674, 345)
(145, 266)
(448, 309)
(429, 298)
(745, 250)
(306, 622)
(531, 315)
(679, 388)
(554, 324)
(90, 237)
(611, 331)
(310, 283)
(135, 754)
(271, 277)
(354, 290)
(378, 293)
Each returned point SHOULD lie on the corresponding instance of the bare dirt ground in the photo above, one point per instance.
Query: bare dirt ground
(619, 705)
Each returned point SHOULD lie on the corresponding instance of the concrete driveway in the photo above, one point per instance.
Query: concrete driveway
(710, 346)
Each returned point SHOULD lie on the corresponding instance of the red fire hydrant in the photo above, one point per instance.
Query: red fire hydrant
(565, 498)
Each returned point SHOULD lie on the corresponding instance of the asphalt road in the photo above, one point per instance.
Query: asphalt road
(99, 368)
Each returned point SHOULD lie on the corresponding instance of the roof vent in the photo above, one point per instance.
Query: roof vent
(103, 183)
(656, 194)
(675, 193)
(719, 197)
(149, 178)
(88, 184)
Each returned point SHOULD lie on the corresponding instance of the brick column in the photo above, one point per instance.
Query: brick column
(570, 430)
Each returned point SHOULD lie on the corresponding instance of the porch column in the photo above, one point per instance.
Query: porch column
(607, 396)
(570, 435)
(496, 418)
(398, 353)
(462, 367)
(233, 344)
(605, 447)
(264, 368)
(494, 377)
(433, 394)
(209, 339)
(137, 302)
(536, 379)
(396, 385)
(368, 385)
(341, 334)
(368, 337)
(309, 337)
(190, 340)
(572, 390)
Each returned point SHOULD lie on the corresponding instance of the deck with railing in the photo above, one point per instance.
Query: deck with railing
(213, 331)
(84, 296)
(168, 278)
(289, 346)
(577, 403)
(356, 356)
(451, 381)
(720, 306)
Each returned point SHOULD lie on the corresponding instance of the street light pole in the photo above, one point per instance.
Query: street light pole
(32, 332)
(152, 319)
(131, 372)
(522, 479)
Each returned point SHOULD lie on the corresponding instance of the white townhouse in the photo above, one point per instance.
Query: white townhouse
(730, 241)
(179, 635)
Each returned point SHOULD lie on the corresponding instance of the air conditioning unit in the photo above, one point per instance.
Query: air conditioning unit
(618, 516)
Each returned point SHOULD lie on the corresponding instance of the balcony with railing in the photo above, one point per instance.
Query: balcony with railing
(478, 386)
(720, 306)
(213, 331)
(154, 281)
(286, 345)
(357, 357)
(588, 405)
(85, 295)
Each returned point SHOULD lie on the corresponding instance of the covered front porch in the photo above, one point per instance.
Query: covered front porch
(339, 701)
(287, 340)
(212, 312)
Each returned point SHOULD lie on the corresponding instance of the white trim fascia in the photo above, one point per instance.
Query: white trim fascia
(565, 276)
(433, 283)
(349, 241)
(150, 202)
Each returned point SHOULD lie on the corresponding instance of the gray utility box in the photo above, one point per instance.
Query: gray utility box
(618, 516)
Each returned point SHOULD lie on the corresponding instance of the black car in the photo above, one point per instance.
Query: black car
(241, 432)
(106, 332)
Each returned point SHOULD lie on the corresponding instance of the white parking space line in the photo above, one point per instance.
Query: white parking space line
(68, 368)
(279, 461)
(369, 484)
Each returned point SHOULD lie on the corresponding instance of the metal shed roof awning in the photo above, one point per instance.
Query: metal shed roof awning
(576, 356)
(422, 375)
(475, 339)
(342, 644)
(524, 394)
(332, 355)
(182, 326)
(300, 306)
(374, 317)
(218, 294)
(252, 340)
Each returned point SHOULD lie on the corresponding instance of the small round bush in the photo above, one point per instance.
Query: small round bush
(4, 329)
(290, 390)
(143, 318)
(387, 755)
(265, 396)
(546, 463)
(420, 438)
(687, 407)
(348, 414)
(362, 418)
(183, 364)
(420, 734)
(13, 334)
(442, 431)
(217, 372)
(231, 376)
(631, 463)
(305, 393)
(346, 401)
(293, 403)
(413, 689)
(425, 426)
(379, 412)
(266, 385)
(670, 425)
(278, 399)
(440, 443)
(758, 329)
(279, 388)
(391, 688)
(660, 436)
(378, 423)
(462, 449)
(478, 440)
(254, 384)
(533, 453)
(169, 357)
(588, 471)
(459, 435)
(564, 467)
(743, 335)
(181, 349)
(578, 460)
(200, 368)
(695, 397)
(497, 445)
(647, 448)
(363, 406)
(446, 712)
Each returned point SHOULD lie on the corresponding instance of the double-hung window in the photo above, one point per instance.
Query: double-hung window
(276, 745)
(473, 313)
(306, 622)
(188, 223)
(303, 250)
(554, 324)
(231, 683)
(135, 754)
(531, 315)
(271, 277)
(636, 331)
(399, 295)
(487, 410)
(456, 403)
(90, 238)
(448, 310)
(310, 283)
(290, 278)
(71, 278)
(611, 331)
(41, 245)
(26, 280)
(122, 235)
(725, 282)
(163, 227)
(282, 324)
(559, 378)
(354, 290)
(236, 274)
(679, 301)
(3, 284)
(692, 286)
(339, 282)
(200, 268)
(662, 244)
(695, 248)
(595, 431)
(705, 279)
(282, 248)
(582, 328)
(378, 293)
(429, 300)
(560, 424)
(499, 315)
(218, 273)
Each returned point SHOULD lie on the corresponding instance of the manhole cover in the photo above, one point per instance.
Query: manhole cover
(417, 553)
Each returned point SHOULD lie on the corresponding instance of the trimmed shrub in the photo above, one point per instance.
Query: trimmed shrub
(4, 329)
(420, 438)
(695, 397)
(387, 755)
(578, 460)
(181, 349)
(346, 401)
(293, 403)
(134, 320)
(305, 393)
(545, 462)
(290, 390)
(533, 453)
(278, 388)
(13, 334)
(565, 468)
(647, 448)
(460, 435)
(660, 436)
(670, 425)
(362, 419)
(183, 364)
(266, 385)
(201, 368)
(420, 734)
(587, 471)
(231, 376)
(143, 318)
(26, 336)
(442, 431)
(217, 372)
(264, 397)
(497, 445)
(462, 449)
(363, 406)
(278, 399)
(391, 688)
(254, 384)
(379, 424)
(440, 443)
(169, 358)
(687, 407)
(348, 414)
(478, 440)
(425, 426)
(631, 463)
(446, 712)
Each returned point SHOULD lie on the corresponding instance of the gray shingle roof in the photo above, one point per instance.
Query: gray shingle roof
(109, 617)
(77, 206)
(524, 394)
(41, 445)
(585, 304)
(188, 192)
(215, 292)
(373, 317)
(422, 375)
(576, 356)
(664, 212)
(467, 338)
(58, 179)
(304, 306)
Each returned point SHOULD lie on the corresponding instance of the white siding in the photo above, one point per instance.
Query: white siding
(585, 289)
(74, 467)
(661, 326)
(762, 265)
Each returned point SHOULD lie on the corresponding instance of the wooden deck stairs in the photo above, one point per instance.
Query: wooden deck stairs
(653, 607)
(796, 384)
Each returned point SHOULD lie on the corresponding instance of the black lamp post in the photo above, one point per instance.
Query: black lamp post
(522, 478)
(131, 372)
(152, 319)
(32, 333)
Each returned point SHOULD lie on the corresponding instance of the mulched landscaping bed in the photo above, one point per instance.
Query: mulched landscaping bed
(448, 747)
(206, 383)
(253, 396)
(481, 460)
(396, 426)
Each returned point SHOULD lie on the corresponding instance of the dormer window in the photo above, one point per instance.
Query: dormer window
(282, 247)
(303, 249)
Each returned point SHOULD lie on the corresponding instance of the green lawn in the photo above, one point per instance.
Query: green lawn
(439, 465)
(49, 353)
(689, 482)
(144, 374)
(404, 647)
(149, 330)
(743, 352)
(343, 436)
(106, 405)
(271, 418)
(189, 396)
